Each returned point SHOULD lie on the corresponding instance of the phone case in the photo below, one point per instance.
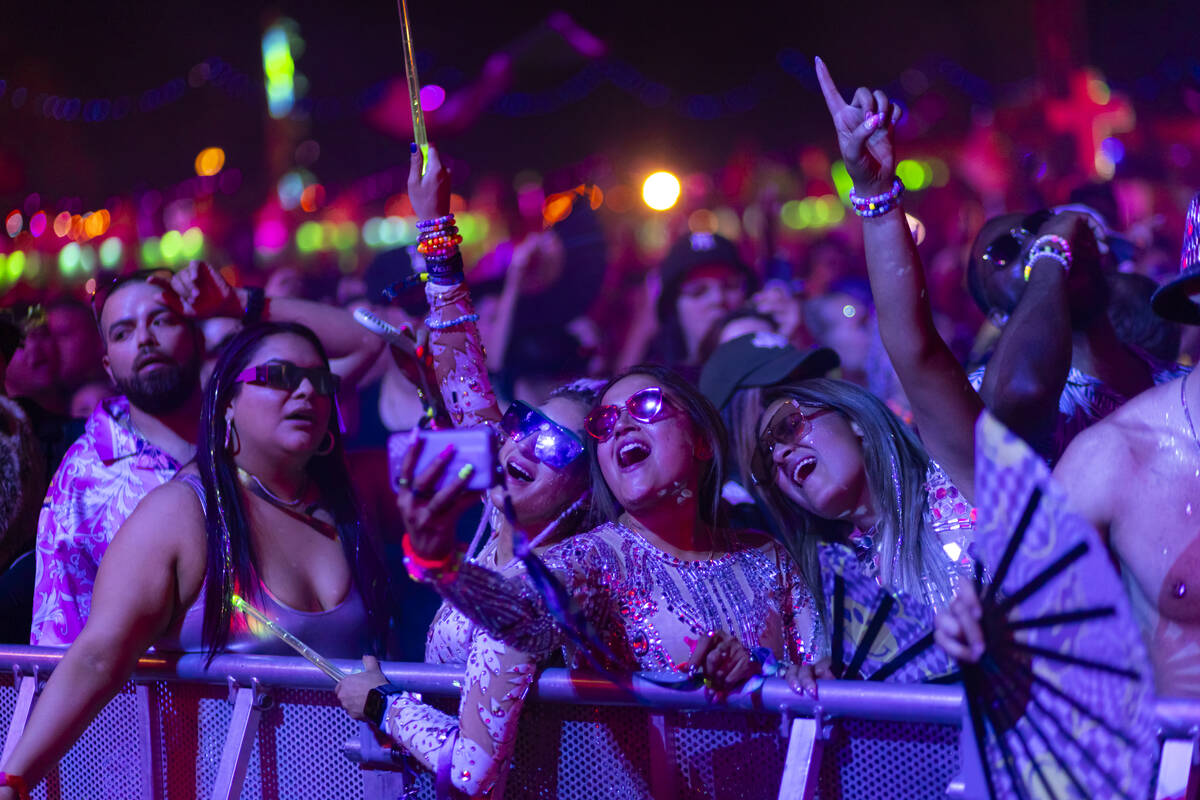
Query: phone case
(476, 446)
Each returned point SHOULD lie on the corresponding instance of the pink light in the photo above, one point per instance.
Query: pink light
(37, 225)
(271, 235)
(432, 97)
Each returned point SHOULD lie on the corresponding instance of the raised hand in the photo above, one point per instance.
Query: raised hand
(204, 293)
(865, 133)
(957, 628)
(430, 513)
(353, 689)
(428, 193)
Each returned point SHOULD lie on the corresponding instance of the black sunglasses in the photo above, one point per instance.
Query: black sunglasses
(553, 445)
(1006, 248)
(286, 376)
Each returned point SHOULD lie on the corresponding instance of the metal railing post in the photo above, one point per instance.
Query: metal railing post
(248, 703)
(1177, 769)
(27, 688)
(802, 767)
(969, 784)
(149, 742)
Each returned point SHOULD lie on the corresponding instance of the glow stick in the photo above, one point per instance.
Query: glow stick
(291, 641)
(414, 86)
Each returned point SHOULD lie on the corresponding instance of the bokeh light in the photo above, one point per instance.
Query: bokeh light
(13, 223)
(210, 161)
(37, 224)
(432, 97)
(110, 252)
(661, 191)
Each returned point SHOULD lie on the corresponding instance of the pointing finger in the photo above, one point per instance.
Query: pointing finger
(833, 98)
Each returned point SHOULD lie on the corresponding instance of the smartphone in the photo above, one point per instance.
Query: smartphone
(475, 446)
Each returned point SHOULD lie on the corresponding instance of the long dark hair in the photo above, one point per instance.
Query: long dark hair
(707, 423)
(895, 462)
(232, 563)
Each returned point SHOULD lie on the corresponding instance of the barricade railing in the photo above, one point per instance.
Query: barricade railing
(270, 727)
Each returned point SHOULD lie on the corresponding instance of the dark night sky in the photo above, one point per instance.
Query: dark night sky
(93, 50)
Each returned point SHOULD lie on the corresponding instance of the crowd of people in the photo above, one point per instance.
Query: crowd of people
(675, 463)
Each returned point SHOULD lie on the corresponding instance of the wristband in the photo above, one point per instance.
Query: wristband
(430, 570)
(16, 783)
(880, 204)
(1049, 246)
(256, 303)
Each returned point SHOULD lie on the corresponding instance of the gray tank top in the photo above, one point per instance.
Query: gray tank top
(340, 632)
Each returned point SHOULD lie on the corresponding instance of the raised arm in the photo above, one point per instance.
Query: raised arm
(944, 405)
(151, 572)
(1028, 369)
(458, 357)
(205, 293)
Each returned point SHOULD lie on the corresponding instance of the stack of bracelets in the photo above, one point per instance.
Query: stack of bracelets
(438, 242)
(880, 204)
(1055, 248)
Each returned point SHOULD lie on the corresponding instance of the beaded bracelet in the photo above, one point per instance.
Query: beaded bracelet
(880, 204)
(447, 234)
(436, 325)
(1049, 246)
(444, 269)
(434, 223)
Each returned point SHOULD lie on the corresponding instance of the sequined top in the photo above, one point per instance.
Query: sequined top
(952, 520)
(1085, 400)
(469, 751)
(102, 478)
(647, 606)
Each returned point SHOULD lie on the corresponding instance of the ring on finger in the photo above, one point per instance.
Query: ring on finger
(402, 482)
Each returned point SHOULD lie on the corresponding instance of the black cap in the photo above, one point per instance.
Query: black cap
(1174, 301)
(760, 359)
(690, 253)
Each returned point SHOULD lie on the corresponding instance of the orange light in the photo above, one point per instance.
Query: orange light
(210, 161)
(62, 224)
(313, 197)
(96, 223)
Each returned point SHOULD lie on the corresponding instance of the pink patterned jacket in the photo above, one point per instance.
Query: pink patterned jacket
(102, 478)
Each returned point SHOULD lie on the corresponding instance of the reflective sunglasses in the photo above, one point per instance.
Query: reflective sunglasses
(553, 445)
(160, 276)
(646, 405)
(789, 425)
(1006, 248)
(286, 376)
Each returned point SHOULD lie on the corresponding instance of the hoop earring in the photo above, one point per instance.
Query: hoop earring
(233, 441)
(324, 451)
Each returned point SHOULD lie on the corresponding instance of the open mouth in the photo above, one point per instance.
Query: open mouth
(804, 469)
(152, 361)
(518, 472)
(304, 415)
(632, 453)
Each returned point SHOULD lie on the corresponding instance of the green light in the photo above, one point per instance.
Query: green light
(68, 259)
(371, 231)
(151, 253)
(913, 174)
(790, 215)
(841, 180)
(808, 212)
(345, 236)
(87, 258)
(16, 265)
(837, 212)
(820, 212)
(193, 243)
(308, 237)
(171, 244)
(473, 228)
(110, 253)
(280, 70)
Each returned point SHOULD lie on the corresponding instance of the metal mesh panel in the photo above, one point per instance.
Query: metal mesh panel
(8, 703)
(580, 752)
(885, 760)
(106, 760)
(718, 751)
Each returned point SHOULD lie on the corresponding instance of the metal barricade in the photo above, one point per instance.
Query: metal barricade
(269, 728)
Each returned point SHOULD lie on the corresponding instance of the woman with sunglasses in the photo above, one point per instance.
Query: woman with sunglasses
(663, 585)
(266, 511)
(546, 482)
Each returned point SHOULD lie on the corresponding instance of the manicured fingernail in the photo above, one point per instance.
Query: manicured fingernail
(690, 642)
(413, 435)
(412, 147)
(466, 471)
(449, 451)
(873, 121)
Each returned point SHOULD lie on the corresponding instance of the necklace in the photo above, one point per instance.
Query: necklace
(244, 475)
(1186, 412)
